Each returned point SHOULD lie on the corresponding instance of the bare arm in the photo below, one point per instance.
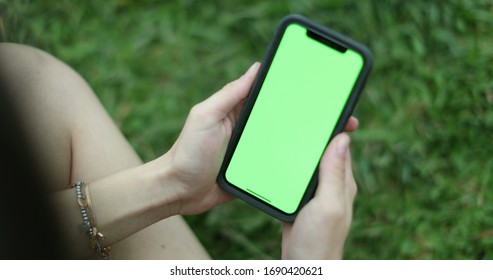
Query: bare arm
(183, 181)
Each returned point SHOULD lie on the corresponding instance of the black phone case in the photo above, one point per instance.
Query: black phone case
(332, 37)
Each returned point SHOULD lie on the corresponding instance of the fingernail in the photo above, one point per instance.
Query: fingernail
(252, 68)
(343, 145)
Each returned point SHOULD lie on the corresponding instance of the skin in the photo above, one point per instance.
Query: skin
(138, 206)
(321, 228)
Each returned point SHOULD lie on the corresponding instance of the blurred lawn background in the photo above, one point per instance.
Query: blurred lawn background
(423, 156)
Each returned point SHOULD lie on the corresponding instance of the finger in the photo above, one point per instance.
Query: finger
(235, 113)
(351, 187)
(225, 100)
(352, 124)
(332, 170)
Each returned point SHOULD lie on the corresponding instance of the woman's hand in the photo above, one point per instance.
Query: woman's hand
(196, 157)
(321, 227)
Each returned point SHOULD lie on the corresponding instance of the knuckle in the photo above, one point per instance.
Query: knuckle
(335, 212)
(197, 110)
(200, 114)
(229, 86)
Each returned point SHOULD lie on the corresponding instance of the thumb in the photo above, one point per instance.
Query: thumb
(224, 101)
(332, 170)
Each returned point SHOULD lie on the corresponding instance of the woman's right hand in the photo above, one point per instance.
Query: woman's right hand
(321, 227)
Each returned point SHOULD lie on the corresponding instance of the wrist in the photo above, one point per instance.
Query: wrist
(168, 181)
(194, 188)
(133, 199)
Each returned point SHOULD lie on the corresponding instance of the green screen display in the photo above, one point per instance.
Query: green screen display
(294, 115)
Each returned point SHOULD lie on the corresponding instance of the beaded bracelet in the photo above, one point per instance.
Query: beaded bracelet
(88, 225)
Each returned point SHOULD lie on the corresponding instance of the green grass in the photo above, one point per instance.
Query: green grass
(423, 156)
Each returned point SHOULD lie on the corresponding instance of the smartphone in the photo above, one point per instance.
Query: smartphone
(303, 95)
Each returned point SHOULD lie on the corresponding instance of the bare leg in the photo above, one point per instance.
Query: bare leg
(75, 139)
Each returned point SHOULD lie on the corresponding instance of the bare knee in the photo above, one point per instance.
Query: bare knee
(44, 92)
(27, 70)
(19, 63)
(40, 84)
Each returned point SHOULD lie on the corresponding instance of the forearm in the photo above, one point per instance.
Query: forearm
(123, 204)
